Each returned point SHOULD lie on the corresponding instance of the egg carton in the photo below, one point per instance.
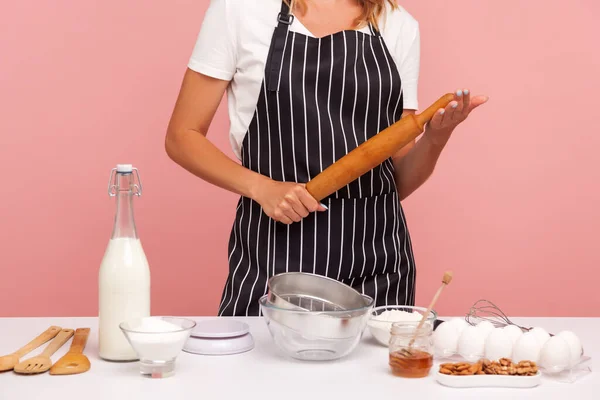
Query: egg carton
(572, 374)
(457, 341)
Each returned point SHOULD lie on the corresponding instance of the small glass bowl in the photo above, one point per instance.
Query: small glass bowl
(157, 342)
(381, 330)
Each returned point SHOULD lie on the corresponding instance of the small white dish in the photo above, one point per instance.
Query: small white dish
(220, 337)
(381, 329)
(481, 381)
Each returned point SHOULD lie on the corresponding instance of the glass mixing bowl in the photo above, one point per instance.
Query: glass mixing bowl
(316, 335)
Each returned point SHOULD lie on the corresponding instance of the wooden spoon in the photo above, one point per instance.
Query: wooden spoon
(74, 362)
(9, 361)
(42, 363)
(445, 281)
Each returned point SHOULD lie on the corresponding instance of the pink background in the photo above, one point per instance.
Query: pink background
(513, 207)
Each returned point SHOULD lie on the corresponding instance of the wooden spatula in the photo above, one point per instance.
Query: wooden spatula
(9, 361)
(74, 362)
(42, 363)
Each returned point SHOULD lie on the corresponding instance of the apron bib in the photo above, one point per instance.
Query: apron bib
(320, 99)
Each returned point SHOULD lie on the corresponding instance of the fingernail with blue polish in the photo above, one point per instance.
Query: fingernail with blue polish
(459, 93)
(442, 112)
(466, 91)
(324, 206)
(454, 105)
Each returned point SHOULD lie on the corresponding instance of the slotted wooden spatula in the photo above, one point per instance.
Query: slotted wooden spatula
(74, 362)
(42, 363)
(9, 361)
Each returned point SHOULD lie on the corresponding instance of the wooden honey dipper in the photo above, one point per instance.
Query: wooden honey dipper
(373, 152)
(445, 281)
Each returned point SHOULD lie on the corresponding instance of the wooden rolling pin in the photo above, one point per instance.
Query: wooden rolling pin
(373, 152)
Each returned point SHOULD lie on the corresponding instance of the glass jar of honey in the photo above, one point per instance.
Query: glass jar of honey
(411, 360)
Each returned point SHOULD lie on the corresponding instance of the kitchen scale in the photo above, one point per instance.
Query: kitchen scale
(219, 337)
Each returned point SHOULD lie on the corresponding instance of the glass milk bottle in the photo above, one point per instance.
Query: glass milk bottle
(124, 278)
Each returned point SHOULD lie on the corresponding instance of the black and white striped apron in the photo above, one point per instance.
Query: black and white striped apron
(321, 98)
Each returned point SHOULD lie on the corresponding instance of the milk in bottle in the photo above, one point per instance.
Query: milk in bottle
(124, 277)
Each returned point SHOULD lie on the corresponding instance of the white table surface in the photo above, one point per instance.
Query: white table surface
(264, 373)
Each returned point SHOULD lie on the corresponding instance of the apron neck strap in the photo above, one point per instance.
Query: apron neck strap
(285, 16)
(275, 57)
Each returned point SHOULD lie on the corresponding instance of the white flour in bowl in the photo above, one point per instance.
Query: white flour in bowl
(397, 316)
(381, 325)
(386, 318)
(158, 340)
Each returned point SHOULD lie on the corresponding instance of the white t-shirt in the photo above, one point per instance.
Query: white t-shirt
(234, 42)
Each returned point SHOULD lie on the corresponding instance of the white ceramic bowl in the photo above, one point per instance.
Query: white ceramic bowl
(381, 330)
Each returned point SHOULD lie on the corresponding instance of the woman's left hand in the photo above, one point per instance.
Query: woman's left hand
(441, 126)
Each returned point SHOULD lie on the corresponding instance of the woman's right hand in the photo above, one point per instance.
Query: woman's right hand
(286, 202)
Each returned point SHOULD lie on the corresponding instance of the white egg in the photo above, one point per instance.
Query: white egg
(459, 323)
(555, 355)
(514, 332)
(445, 339)
(498, 345)
(486, 327)
(527, 348)
(541, 334)
(471, 344)
(575, 346)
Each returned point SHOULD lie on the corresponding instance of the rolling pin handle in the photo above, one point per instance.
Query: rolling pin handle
(428, 113)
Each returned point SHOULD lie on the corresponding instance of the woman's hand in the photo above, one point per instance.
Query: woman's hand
(286, 202)
(444, 121)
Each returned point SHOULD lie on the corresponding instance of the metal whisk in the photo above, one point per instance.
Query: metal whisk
(485, 310)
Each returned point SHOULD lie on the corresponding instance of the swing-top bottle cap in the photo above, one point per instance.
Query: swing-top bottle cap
(128, 171)
(124, 168)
